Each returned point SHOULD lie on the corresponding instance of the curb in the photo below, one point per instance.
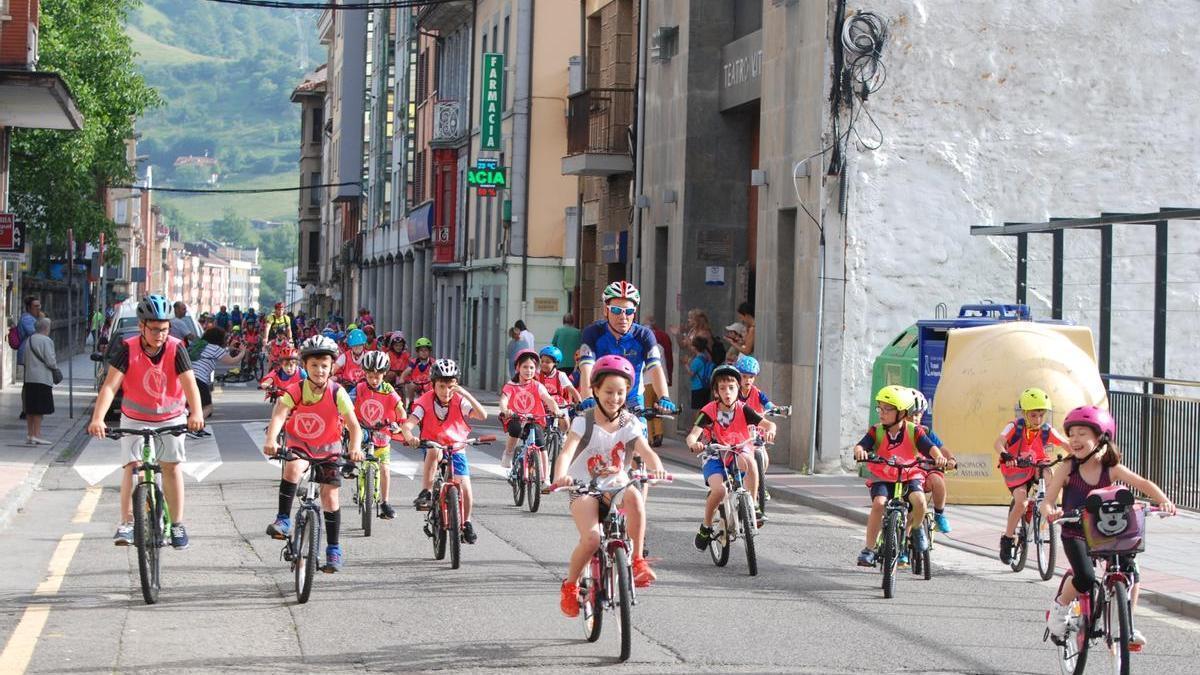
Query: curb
(1174, 604)
(14, 501)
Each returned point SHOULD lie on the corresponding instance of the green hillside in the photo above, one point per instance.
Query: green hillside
(225, 73)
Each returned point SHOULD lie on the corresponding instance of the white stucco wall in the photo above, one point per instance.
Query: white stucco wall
(1022, 111)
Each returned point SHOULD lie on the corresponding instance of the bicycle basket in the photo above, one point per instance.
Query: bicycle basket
(1113, 522)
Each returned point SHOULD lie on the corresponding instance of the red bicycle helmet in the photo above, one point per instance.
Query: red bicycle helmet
(1100, 420)
(614, 365)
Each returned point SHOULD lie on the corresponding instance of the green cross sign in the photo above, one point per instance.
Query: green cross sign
(490, 102)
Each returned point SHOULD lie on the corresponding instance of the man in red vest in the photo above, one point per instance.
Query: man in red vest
(160, 391)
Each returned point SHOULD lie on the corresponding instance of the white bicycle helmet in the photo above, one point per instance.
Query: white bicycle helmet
(622, 290)
(376, 362)
(318, 345)
(443, 369)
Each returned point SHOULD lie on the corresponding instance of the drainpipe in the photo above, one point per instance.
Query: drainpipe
(639, 141)
(525, 92)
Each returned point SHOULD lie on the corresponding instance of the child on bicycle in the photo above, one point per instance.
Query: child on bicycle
(750, 395)
(416, 377)
(399, 358)
(525, 395)
(287, 372)
(935, 478)
(556, 381)
(280, 345)
(1095, 462)
(443, 414)
(312, 414)
(599, 447)
(727, 421)
(895, 436)
(1029, 436)
(376, 402)
(348, 366)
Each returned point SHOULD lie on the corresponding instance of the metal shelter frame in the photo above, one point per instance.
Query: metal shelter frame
(1057, 227)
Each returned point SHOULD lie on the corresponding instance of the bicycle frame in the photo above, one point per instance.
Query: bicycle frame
(733, 486)
(150, 471)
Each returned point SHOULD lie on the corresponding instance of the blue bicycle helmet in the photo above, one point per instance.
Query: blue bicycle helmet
(154, 308)
(746, 365)
(356, 338)
(553, 352)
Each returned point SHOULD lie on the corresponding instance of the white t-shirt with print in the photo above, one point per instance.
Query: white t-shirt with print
(604, 449)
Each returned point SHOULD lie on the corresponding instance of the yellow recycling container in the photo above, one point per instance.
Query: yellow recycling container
(983, 375)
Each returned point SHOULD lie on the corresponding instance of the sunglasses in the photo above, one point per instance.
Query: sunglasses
(618, 311)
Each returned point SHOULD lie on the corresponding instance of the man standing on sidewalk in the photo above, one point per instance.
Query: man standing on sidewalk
(567, 339)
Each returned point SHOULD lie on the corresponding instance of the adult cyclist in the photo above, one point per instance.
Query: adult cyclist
(617, 334)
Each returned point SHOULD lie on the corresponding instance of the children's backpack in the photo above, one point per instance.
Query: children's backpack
(14, 337)
(706, 373)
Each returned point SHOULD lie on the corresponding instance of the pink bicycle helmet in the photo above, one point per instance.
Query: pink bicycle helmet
(523, 354)
(1099, 419)
(612, 364)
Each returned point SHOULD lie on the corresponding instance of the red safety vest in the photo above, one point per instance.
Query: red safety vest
(420, 375)
(525, 398)
(453, 429)
(152, 392)
(1020, 444)
(398, 362)
(553, 385)
(904, 451)
(754, 400)
(738, 430)
(315, 428)
(374, 407)
(352, 372)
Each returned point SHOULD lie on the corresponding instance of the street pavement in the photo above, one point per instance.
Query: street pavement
(70, 601)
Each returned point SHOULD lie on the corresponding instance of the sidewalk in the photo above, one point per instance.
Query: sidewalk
(1170, 579)
(22, 465)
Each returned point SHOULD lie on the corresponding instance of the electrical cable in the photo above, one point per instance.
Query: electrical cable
(228, 191)
(329, 4)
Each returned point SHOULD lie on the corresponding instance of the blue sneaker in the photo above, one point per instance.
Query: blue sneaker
(940, 522)
(920, 540)
(281, 528)
(902, 561)
(866, 558)
(333, 559)
(179, 538)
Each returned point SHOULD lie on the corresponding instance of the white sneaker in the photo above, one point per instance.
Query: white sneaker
(1136, 639)
(124, 535)
(1057, 618)
(34, 440)
(506, 461)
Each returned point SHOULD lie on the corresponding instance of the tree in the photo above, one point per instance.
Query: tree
(233, 229)
(58, 176)
(272, 287)
(280, 243)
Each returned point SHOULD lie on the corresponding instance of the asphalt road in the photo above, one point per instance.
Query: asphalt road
(71, 603)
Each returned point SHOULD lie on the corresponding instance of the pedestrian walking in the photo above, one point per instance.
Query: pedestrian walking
(525, 335)
(567, 338)
(94, 326)
(41, 374)
(515, 344)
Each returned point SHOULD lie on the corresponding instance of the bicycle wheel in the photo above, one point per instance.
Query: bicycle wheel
(746, 515)
(1118, 633)
(439, 532)
(625, 602)
(1073, 648)
(1046, 539)
(453, 531)
(926, 567)
(518, 485)
(718, 546)
(889, 552)
(591, 605)
(1020, 550)
(366, 502)
(534, 485)
(308, 548)
(147, 535)
(760, 460)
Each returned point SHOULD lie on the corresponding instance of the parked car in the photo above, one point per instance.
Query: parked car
(125, 326)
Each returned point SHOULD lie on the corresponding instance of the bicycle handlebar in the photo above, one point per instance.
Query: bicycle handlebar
(1076, 515)
(116, 433)
(779, 411)
(652, 414)
(481, 440)
(1026, 463)
(923, 462)
(589, 487)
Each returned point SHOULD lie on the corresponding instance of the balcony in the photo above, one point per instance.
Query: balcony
(445, 16)
(598, 122)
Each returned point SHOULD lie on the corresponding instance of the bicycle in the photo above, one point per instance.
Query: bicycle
(1104, 613)
(760, 457)
(892, 541)
(1033, 526)
(302, 548)
(735, 515)
(526, 476)
(921, 564)
(151, 513)
(607, 581)
(554, 439)
(445, 515)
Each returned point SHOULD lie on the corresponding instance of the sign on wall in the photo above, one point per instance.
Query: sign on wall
(12, 238)
(491, 102)
(487, 177)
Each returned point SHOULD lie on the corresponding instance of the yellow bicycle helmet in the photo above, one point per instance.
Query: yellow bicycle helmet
(901, 398)
(1035, 399)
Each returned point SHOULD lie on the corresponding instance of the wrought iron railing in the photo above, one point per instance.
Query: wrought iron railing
(598, 121)
(1156, 422)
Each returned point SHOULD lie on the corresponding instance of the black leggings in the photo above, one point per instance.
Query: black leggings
(1083, 572)
(516, 430)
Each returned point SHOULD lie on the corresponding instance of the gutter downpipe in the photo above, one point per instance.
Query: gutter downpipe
(526, 16)
(640, 142)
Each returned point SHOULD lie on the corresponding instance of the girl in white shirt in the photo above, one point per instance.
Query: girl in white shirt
(614, 437)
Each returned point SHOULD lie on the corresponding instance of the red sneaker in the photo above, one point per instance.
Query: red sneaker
(569, 603)
(643, 576)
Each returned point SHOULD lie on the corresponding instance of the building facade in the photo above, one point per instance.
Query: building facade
(310, 95)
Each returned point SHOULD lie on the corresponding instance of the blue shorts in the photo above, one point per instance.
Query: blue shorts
(884, 489)
(714, 467)
(459, 465)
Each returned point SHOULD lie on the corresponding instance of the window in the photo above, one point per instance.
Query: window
(317, 122)
(314, 193)
(419, 179)
(314, 249)
(422, 80)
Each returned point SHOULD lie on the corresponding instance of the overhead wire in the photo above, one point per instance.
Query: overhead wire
(361, 4)
(228, 191)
